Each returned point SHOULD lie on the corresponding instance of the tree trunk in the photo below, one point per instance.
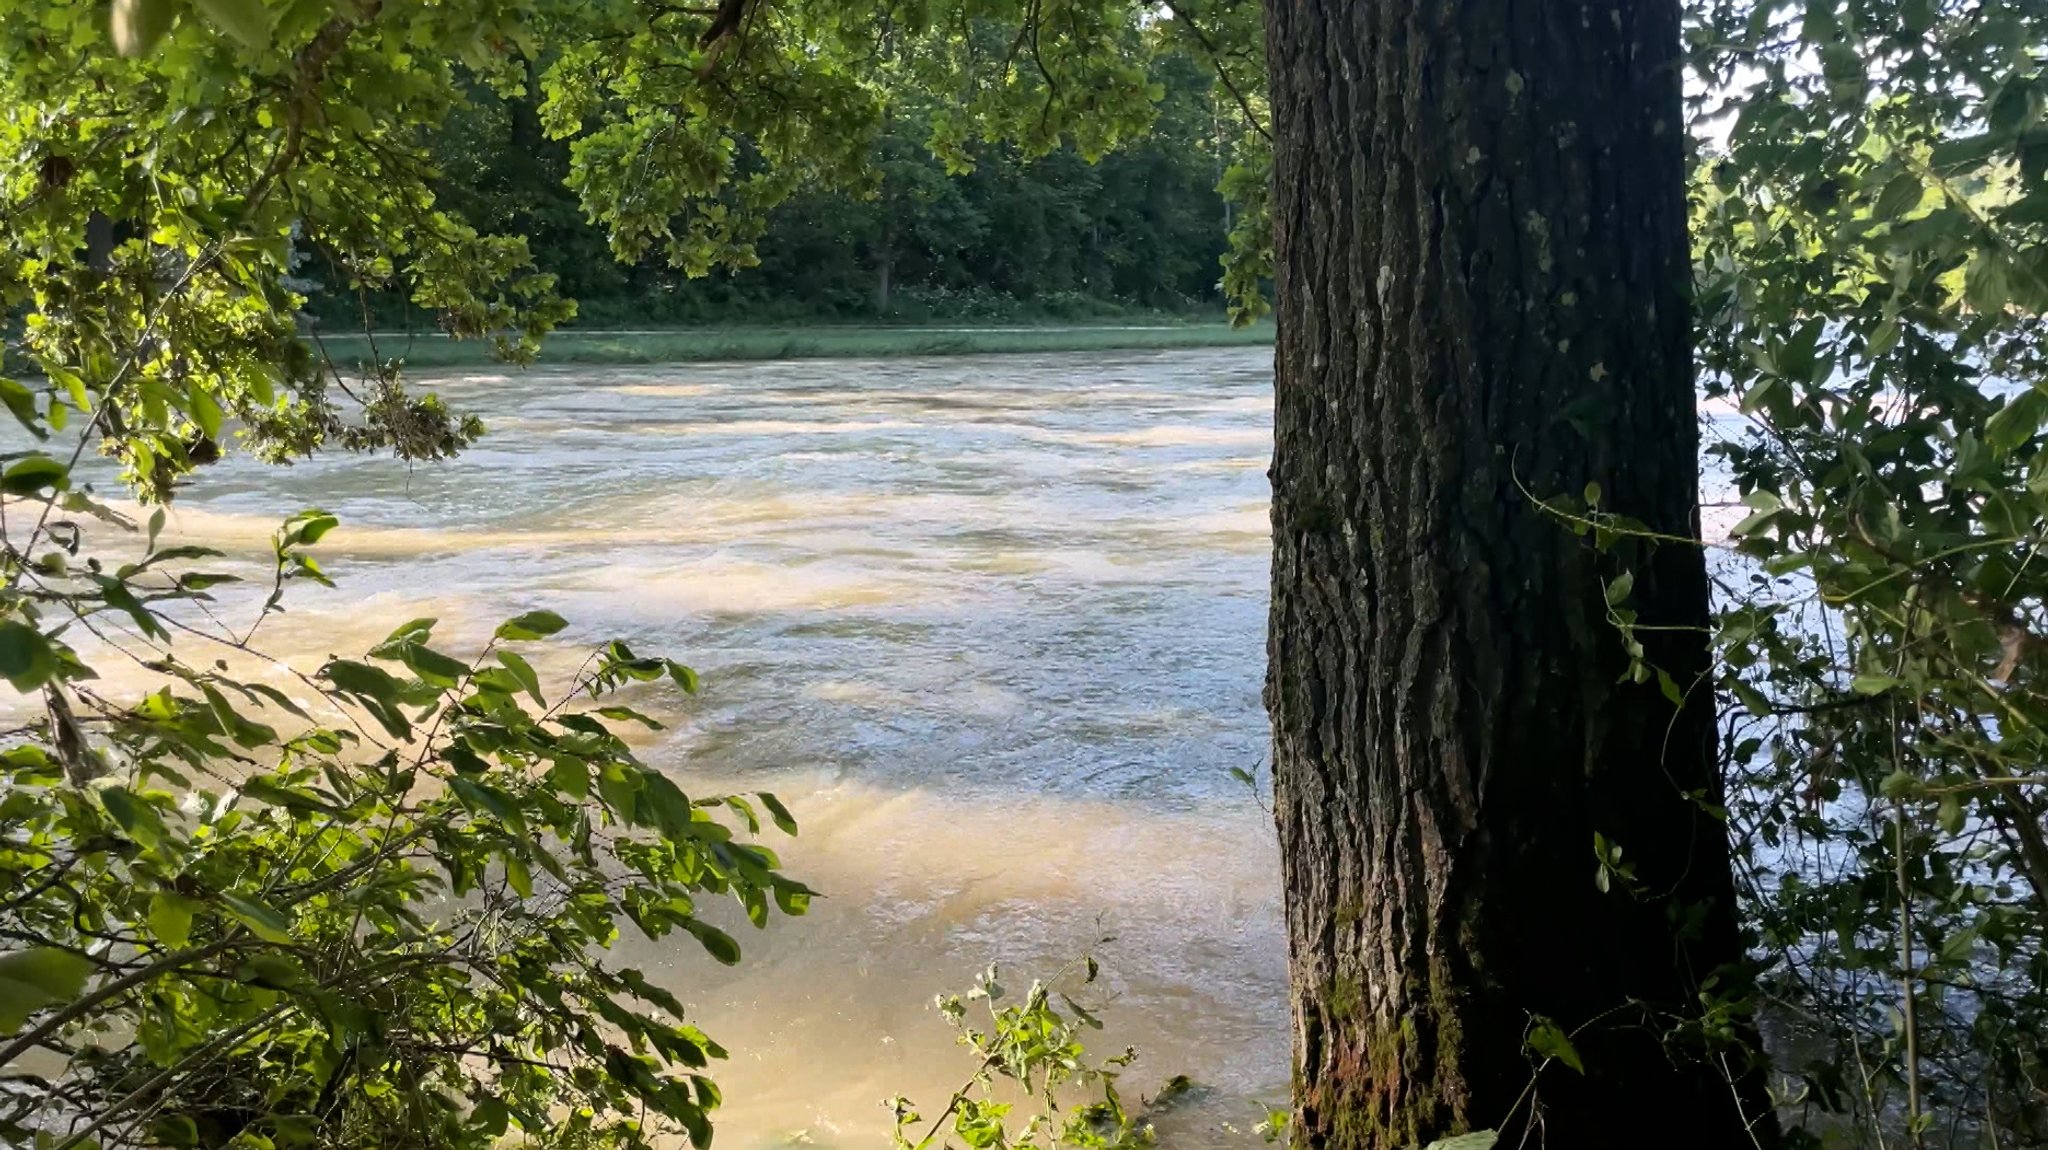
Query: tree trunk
(885, 261)
(527, 135)
(1482, 278)
(885, 248)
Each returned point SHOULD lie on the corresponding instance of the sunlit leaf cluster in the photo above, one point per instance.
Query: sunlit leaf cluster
(1035, 1045)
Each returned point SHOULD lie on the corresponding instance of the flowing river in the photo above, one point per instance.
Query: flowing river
(993, 628)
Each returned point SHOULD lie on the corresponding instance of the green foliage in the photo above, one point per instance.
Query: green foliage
(372, 910)
(1229, 36)
(1874, 279)
(322, 159)
(1033, 1047)
(1012, 237)
(1248, 258)
(369, 907)
(157, 208)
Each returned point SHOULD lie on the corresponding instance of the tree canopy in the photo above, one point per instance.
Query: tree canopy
(370, 903)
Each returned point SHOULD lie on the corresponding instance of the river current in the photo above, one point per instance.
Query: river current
(991, 626)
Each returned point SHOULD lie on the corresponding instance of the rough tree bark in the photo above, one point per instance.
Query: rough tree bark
(1482, 284)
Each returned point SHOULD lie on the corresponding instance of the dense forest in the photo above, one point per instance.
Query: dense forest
(1004, 238)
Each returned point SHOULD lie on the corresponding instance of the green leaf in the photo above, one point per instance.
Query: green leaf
(362, 679)
(684, 677)
(784, 821)
(1900, 196)
(571, 778)
(26, 658)
(249, 21)
(794, 898)
(275, 971)
(2017, 422)
(33, 474)
(1987, 282)
(170, 918)
(629, 715)
(1618, 590)
(174, 1130)
(133, 815)
(1949, 814)
(1669, 687)
(245, 733)
(489, 799)
(22, 402)
(414, 630)
(532, 625)
(375, 689)
(1752, 700)
(620, 791)
(666, 804)
(205, 410)
(1548, 1040)
(518, 876)
(263, 920)
(717, 943)
(306, 528)
(35, 978)
(430, 665)
(265, 790)
(524, 672)
(278, 699)
(1959, 946)
(1872, 683)
(118, 596)
(170, 554)
(490, 1117)
(636, 981)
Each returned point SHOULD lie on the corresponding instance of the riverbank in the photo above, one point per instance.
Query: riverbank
(577, 346)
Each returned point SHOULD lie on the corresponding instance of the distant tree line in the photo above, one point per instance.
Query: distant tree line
(1140, 230)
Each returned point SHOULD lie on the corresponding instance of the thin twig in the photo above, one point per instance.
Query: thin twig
(1209, 48)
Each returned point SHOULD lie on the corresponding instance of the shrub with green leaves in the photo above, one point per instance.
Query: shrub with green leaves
(368, 903)
(370, 906)
(1873, 244)
(1033, 1047)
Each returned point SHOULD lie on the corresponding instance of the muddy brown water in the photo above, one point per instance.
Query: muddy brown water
(991, 626)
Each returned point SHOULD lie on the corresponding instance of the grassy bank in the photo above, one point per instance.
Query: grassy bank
(698, 345)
